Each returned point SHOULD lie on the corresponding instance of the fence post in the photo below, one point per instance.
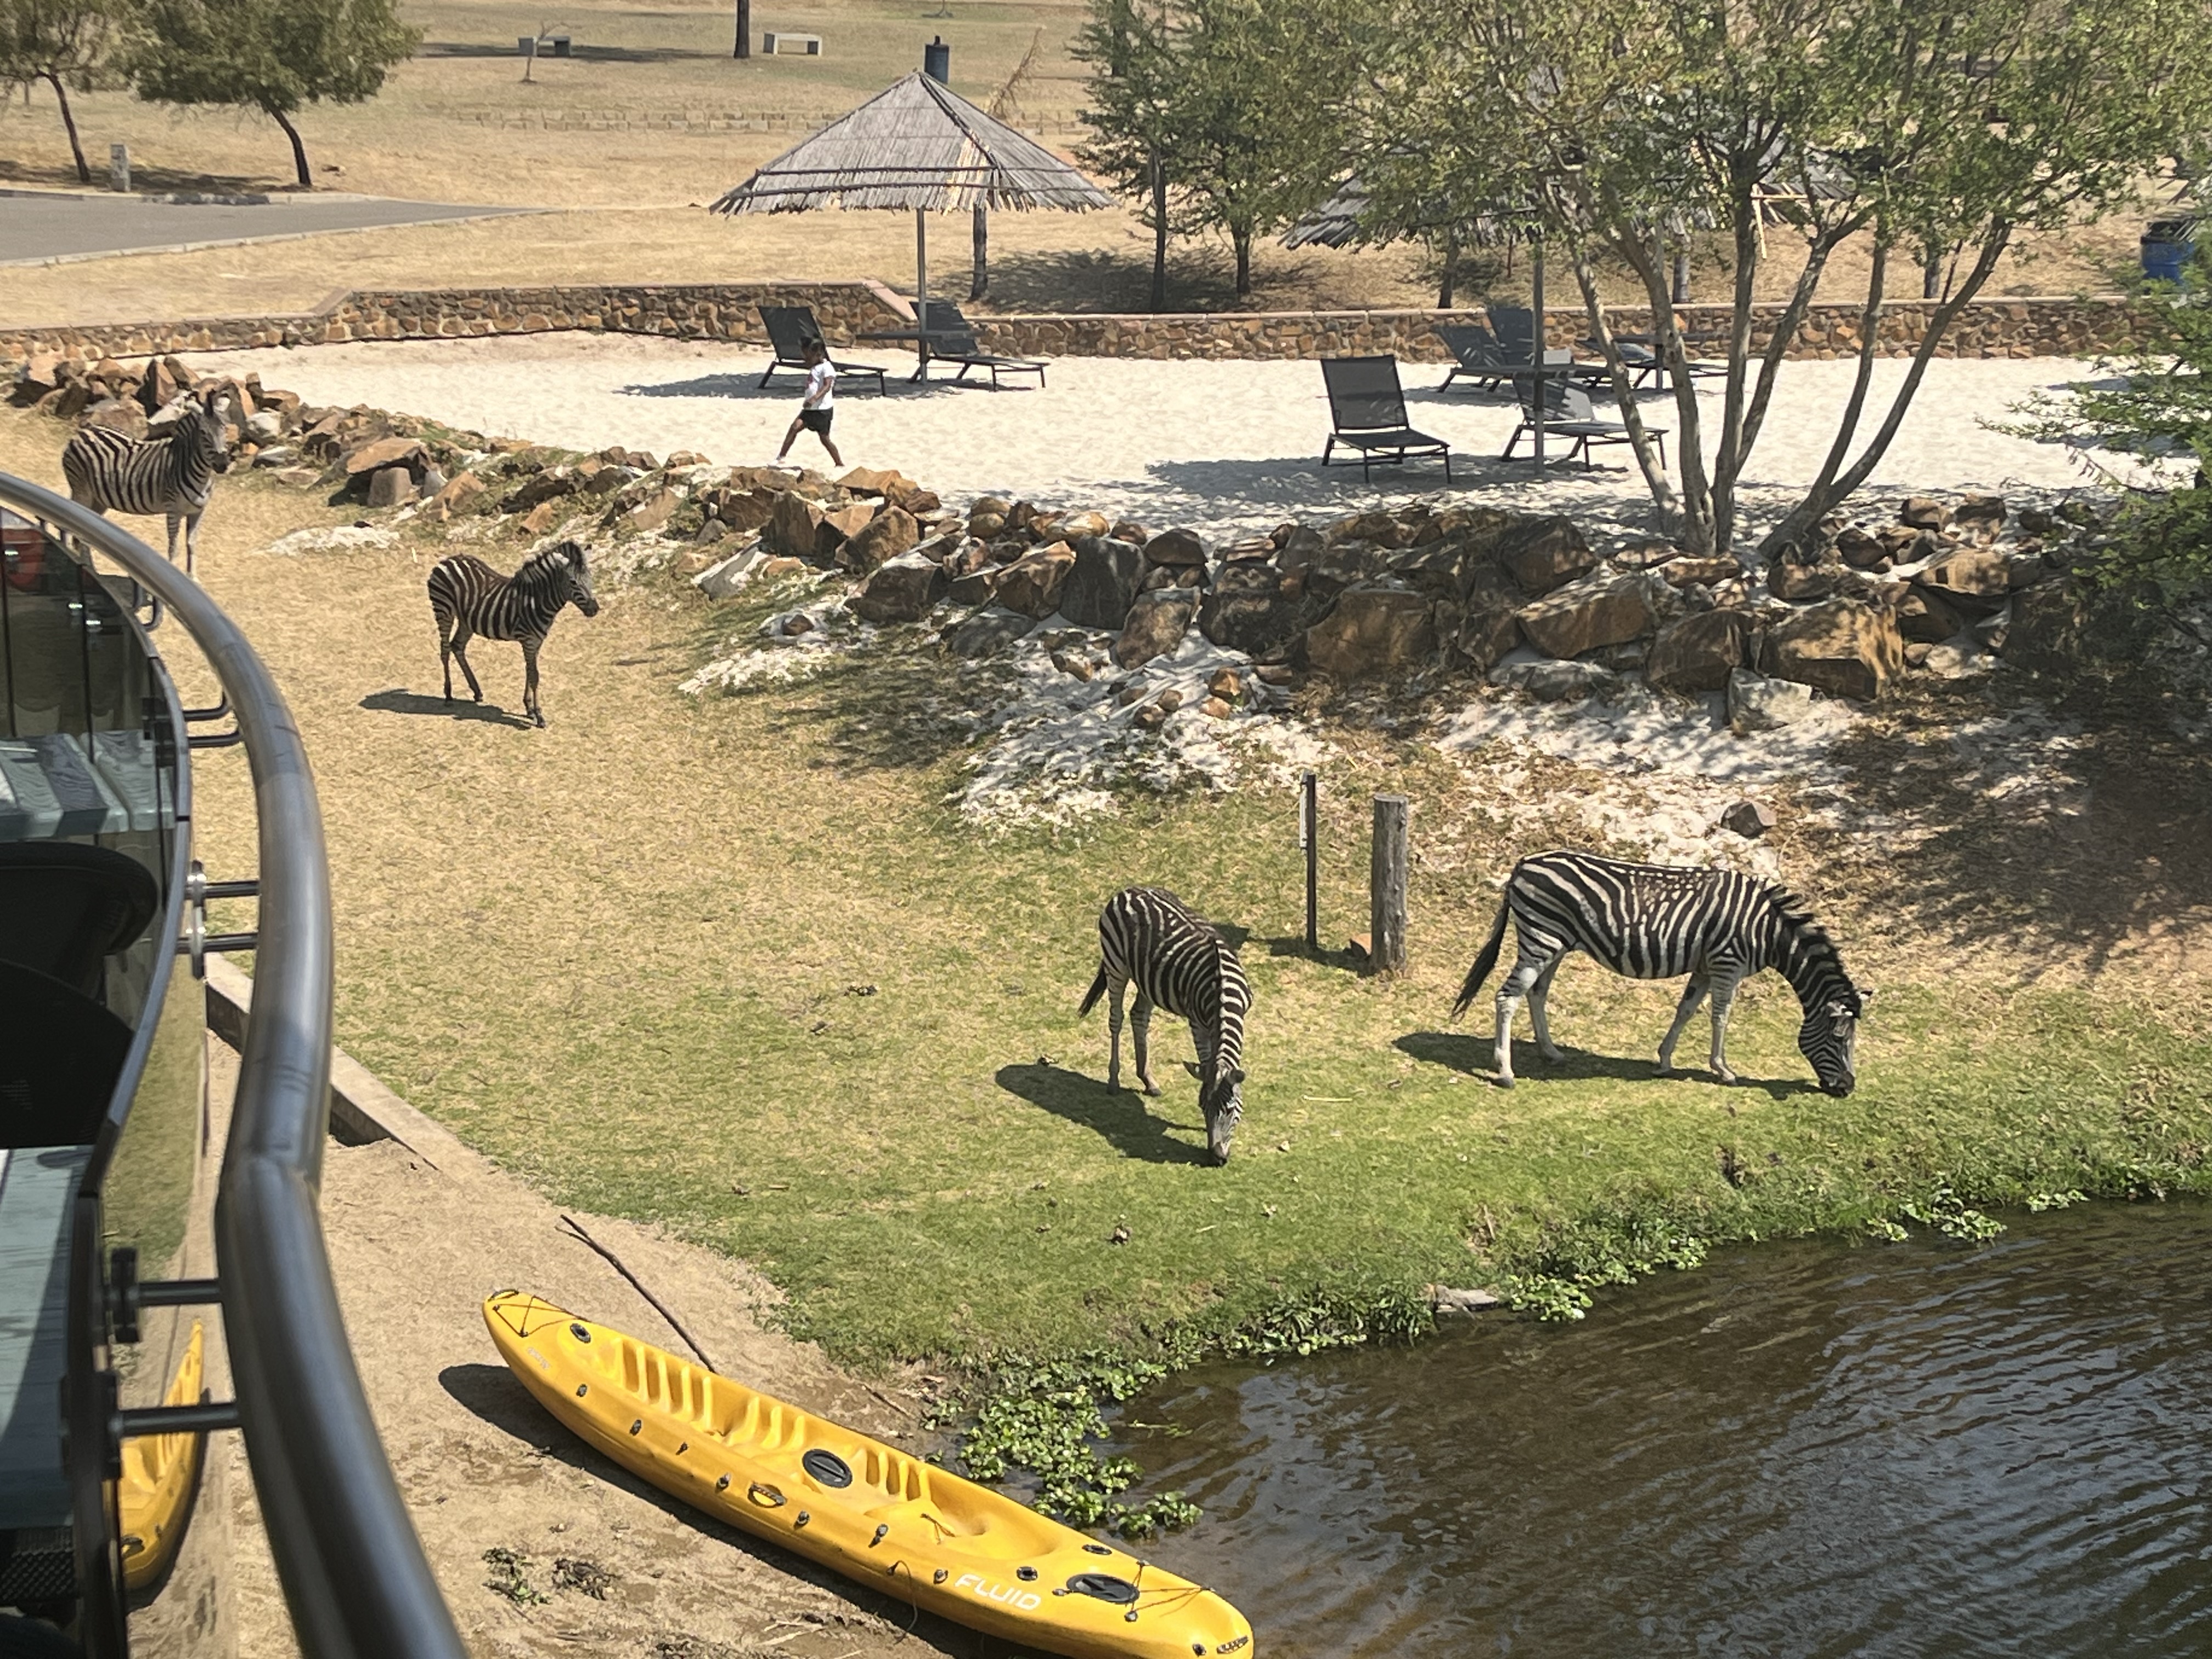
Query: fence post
(1386, 886)
(118, 166)
(1309, 839)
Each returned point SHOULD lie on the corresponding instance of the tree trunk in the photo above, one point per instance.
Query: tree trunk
(1159, 233)
(1242, 241)
(76, 147)
(980, 284)
(1931, 275)
(299, 149)
(1450, 278)
(744, 48)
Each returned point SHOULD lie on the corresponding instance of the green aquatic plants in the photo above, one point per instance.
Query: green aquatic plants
(1045, 1419)
(1951, 1216)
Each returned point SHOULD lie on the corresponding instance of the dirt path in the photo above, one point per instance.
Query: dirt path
(417, 1239)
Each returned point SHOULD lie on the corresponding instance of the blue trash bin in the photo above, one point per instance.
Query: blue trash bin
(2166, 247)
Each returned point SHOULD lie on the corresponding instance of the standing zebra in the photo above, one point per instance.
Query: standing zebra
(468, 597)
(1654, 921)
(171, 473)
(1148, 936)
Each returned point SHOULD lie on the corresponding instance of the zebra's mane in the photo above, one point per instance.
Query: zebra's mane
(1811, 949)
(559, 556)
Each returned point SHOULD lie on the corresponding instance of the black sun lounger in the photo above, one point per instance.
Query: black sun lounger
(1570, 415)
(1367, 409)
(789, 329)
(953, 340)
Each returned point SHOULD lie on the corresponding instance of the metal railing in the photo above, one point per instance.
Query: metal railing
(354, 1576)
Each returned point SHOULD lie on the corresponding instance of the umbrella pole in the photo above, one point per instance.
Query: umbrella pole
(922, 293)
(1536, 279)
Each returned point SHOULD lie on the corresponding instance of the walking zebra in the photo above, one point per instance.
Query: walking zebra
(1148, 936)
(171, 473)
(468, 597)
(1654, 921)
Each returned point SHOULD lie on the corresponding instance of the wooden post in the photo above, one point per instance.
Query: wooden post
(745, 46)
(1386, 886)
(1309, 839)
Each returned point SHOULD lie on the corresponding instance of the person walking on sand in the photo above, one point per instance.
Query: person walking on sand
(818, 408)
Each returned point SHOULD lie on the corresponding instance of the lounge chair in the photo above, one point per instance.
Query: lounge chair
(1367, 408)
(1515, 328)
(1647, 367)
(1475, 354)
(789, 329)
(1569, 415)
(953, 340)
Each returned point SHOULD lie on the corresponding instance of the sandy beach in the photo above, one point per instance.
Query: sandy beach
(1220, 444)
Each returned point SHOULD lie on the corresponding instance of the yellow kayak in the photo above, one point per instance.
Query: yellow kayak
(159, 1473)
(868, 1510)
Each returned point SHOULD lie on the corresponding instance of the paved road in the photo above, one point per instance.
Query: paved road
(41, 226)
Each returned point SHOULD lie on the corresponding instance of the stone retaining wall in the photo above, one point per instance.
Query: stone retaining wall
(726, 311)
(1987, 328)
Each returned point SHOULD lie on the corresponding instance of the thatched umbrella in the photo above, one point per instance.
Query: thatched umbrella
(918, 145)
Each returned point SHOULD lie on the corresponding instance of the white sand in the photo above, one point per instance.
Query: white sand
(1223, 444)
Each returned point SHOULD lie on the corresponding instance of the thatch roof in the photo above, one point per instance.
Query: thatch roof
(916, 144)
(1336, 223)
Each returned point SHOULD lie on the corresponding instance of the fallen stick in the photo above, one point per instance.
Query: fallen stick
(638, 1285)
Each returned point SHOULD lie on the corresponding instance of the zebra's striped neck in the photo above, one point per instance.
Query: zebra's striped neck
(1805, 954)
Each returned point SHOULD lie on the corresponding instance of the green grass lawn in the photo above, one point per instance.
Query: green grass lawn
(735, 966)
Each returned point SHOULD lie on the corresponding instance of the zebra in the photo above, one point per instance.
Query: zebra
(468, 597)
(1654, 921)
(171, 473)
(1148, 936)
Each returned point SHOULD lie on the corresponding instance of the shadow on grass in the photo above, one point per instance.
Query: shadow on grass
(1294, 945)
(892, 708)
(2069, 842)
(398, 702)
(1473, 1056)
(491, 1393)
(1118, 1115)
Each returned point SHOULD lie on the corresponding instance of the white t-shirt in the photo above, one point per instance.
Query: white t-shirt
(821, 385)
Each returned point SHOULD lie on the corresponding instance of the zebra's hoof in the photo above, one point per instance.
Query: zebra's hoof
(1504, 1079)
(1553, 1056)
(1154, 1090)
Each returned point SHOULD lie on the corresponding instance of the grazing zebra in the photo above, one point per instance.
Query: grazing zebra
(468, 597)
(171, 473)
(1148, 936)
(1654, 921)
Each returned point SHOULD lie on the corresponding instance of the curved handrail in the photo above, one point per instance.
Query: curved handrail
(354, 1576)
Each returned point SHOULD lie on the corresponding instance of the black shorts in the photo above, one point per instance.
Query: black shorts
(816, 420)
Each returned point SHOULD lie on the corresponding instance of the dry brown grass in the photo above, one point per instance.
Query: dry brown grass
(435, 134)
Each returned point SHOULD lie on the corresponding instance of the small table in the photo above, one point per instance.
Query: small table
(921, 337)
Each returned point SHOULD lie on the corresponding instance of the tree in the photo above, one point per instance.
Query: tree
(64, 42)
(2154, 405)
(271, 55)
(1259, 89)
(1933, 128)
(1137, 133)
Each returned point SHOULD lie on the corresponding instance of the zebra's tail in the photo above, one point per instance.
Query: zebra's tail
(1484, 962)
(1097, 990)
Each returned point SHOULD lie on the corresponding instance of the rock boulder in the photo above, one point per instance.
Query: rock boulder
(1756, 703)
(1699, 651)
(1103, 584)
(901, 589)
(1372, 630)
(1845, 647)
(1596, 610)
(1155, 626)
(1541, 553)
(882, 538)
(1253, 608)
(1032, 584)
